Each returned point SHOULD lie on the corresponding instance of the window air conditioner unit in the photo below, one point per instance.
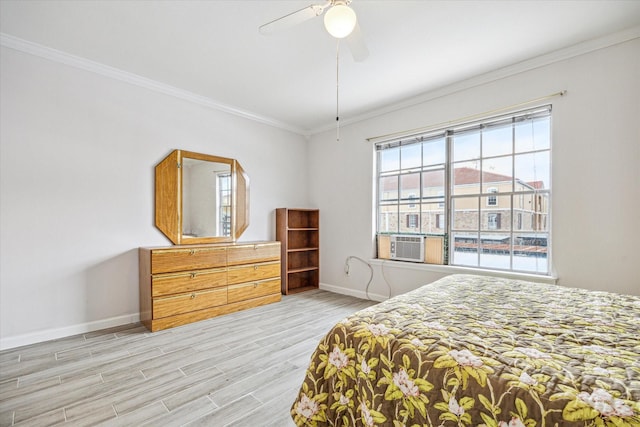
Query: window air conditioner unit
(407, 247)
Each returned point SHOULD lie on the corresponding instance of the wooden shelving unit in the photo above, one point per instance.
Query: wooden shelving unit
(298, 231)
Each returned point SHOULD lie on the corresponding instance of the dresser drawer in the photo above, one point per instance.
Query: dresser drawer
(189, 281)
(253, 272)
(185, 303)
(243, 254)
(172, 260)
(250, 290)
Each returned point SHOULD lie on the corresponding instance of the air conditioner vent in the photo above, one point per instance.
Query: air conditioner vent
(407, 247)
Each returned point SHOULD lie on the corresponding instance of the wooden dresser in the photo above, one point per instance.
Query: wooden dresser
(187, 283)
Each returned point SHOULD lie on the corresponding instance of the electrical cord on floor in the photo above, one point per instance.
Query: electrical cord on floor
(366, 290)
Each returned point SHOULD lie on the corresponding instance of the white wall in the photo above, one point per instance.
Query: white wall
(76, 157)
(77, 152)
(595, 167)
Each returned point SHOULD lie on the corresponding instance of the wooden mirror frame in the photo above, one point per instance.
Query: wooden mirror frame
(168, 198)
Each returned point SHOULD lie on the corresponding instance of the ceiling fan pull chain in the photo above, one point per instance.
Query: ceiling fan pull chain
(338, 90)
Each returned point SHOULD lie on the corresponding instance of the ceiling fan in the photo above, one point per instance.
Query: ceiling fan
(339, 20)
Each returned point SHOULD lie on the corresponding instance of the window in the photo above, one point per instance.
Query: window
(412, 197)
(224, 205)
(493, 221)
(492, 200)
(485, 185)
(412, 221)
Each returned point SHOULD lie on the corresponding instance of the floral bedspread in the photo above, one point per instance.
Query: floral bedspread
(470, 350)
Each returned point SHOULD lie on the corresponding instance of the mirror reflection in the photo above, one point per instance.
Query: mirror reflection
(201, 198)
(206, 198)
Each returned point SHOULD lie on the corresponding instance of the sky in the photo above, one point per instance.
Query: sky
(497, 144)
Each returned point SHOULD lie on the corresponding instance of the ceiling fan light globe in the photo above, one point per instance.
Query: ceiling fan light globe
(340, 21)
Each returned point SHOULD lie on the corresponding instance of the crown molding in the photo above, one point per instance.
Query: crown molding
(510, 70)
(61, 57)
(51, 54)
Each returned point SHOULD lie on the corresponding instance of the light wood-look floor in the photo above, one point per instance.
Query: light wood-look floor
(241, 369)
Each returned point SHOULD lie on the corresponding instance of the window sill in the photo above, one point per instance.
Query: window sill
(451, 269)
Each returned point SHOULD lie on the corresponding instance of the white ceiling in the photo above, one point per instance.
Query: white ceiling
(213, 49)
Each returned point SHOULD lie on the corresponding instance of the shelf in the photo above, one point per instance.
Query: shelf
(301, 269)
(302, 248)
(298, 239)
(298, 260)
(298, 230)
(302, 289)
(314, 248)
(303, 218)
(307, 279)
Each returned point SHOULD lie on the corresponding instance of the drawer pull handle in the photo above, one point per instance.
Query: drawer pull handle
(192, 252)
(193, 296)
(255, 267)
(255, 285)
(193, 275)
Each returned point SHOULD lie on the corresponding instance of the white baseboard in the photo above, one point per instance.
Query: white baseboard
(52, 334)
(353, 292)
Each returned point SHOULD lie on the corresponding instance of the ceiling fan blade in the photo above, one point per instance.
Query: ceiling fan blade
(294, 18)
(356, 44)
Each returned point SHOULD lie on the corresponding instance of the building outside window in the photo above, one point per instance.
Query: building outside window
(486, 185)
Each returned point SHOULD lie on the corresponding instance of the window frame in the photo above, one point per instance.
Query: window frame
(511, 214)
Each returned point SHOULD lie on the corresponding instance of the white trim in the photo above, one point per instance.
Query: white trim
(442, 269)
(491, 76)
(67, 331)
(61, 57)
(352, 292)
(104, 70)
(454, 269)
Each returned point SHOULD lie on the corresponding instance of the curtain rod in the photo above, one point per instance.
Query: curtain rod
(412, 132)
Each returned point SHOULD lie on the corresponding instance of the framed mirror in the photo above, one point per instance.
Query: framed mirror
(201, 198)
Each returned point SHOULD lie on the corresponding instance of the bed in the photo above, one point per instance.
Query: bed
(469, 350)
